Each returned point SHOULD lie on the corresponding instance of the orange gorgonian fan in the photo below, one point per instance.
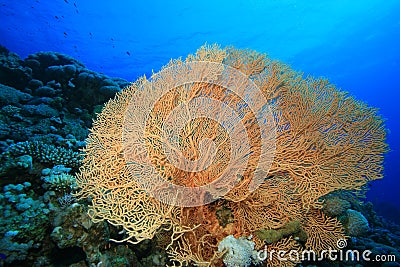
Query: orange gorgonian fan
(319, 138)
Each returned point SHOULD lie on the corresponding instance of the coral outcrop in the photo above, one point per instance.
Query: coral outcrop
(356, 224)
(43, 124)
(50, 93)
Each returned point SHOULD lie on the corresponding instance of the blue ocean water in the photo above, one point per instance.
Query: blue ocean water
(356, 44)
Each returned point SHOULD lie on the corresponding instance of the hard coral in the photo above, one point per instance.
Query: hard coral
(356, 224)
(46, 153)
(324, 140)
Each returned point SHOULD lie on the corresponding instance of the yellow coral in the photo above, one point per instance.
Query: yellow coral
(324, 233)
(324, 140)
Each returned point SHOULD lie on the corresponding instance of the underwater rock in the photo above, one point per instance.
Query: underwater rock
(390, 264)
(41, 110)
(47, 59)
(109, 90)
(24, 220)
(45, 91)
(14, 251)
(273, 235)
(91, 89)
(122, 255)
(74, 228)
(385, 237)
(58, 86)
(356, 224)
(34, 84)
(12, 96)
(41, 100)
(12, 73)
(40, 62)
(335, 206)
(15, 77)
(122, 83)
(60, 73)
(156, 258)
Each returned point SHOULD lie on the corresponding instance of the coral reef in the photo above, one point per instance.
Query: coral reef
(325, 141)
(42, 128)
(23, 221)
(49, 93)
(47, 104)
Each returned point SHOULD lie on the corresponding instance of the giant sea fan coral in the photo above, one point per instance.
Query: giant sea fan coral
(323, 141)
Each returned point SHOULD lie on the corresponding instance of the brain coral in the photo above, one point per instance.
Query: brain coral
(163, 147)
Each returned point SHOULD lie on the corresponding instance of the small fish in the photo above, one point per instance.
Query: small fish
(65, 34)
(75, 5)
(127, 52)
(56, 17)
(66, 1)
